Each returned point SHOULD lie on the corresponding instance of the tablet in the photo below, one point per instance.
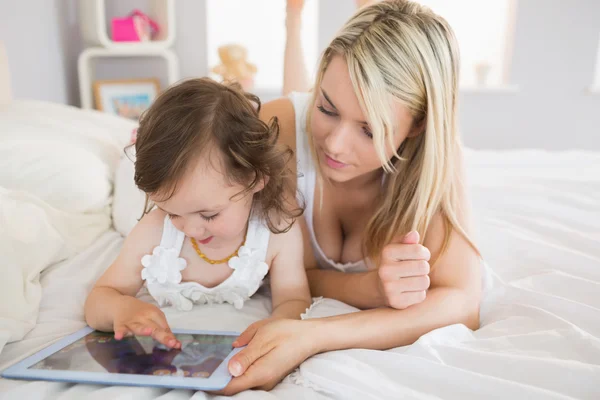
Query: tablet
(90, 356)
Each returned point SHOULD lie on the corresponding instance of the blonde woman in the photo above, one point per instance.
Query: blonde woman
(386, 224)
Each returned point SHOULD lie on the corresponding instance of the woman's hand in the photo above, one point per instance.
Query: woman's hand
(136, 317)
(403, 272)
(274, 349)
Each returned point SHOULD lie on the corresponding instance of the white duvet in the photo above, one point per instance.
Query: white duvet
(537, 216)
(538, 221)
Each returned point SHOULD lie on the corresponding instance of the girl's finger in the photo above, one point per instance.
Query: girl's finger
(140, 328)
(121, 332)
(165, 335)
(160, 319)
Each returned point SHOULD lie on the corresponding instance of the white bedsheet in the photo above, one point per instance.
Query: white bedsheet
(538, 226)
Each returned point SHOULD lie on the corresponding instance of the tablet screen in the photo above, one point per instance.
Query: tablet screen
(199, 356)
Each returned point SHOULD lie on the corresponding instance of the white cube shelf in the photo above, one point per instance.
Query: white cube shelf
(86, 68)
(93, 23)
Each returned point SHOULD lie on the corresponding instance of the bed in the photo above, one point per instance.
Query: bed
(537, 220)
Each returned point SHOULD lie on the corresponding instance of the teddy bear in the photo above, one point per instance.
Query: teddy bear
(234, 66)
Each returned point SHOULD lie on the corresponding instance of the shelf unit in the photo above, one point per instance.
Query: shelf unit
(93, 23)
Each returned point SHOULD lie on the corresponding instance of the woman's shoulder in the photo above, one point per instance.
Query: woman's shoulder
(286, 109)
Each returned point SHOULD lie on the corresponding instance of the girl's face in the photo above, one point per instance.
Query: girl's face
(206, 207)
(342, 137)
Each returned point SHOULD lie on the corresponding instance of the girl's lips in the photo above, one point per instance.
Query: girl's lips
(205, 241)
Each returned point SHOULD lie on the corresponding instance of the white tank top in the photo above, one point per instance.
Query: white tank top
(307, 178)
(162, 270)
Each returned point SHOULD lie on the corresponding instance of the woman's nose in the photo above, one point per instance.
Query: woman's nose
(337, 140)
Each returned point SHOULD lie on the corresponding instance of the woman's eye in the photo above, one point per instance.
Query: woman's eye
(173, 216)
(324, 111)
(368, 133)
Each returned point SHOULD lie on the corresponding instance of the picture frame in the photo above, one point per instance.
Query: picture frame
(127, 98)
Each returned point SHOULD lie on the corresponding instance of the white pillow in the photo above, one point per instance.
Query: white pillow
(62, 154)
(33, 236)
(64, 175)
(128, 200)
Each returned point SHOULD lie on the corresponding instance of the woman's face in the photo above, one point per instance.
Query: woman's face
(342, 137)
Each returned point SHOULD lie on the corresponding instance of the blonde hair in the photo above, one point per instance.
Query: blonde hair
(398, 50)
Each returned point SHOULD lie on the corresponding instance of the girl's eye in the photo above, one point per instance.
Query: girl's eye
(208, 219)
(324, 111)
(173, 216)
(368, 133)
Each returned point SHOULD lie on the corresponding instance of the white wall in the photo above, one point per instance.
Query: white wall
(42, 43)
(553, 65)
(555, 47)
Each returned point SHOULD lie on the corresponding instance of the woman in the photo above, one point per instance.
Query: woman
(379, 158)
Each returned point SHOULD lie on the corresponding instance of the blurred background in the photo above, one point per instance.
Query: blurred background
(530, 68)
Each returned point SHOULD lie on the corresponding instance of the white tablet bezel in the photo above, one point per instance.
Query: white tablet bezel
(217, 381)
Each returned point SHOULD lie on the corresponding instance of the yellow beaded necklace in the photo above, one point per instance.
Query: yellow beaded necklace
(222, 261)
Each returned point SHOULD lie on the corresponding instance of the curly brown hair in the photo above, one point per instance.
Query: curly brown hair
(196, 115)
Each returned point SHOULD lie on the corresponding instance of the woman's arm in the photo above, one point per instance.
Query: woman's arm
(295, 77)
(283, 345)
(400, 281)
(356, 289)
(453, 298)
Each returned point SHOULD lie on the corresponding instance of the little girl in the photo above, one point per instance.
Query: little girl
(218, 182)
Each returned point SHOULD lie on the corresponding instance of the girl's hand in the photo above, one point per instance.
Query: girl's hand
(136, 317)
(403, 274)
(274, 349)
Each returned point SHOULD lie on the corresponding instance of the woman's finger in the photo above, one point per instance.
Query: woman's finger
(404, 269)
(401, 252)
(246, 336)
(411, 284)
(406, 299)
(245, 358)
(258, 374)
(241, 383)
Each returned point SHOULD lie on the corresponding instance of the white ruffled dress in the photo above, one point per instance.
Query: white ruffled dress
(162, 270)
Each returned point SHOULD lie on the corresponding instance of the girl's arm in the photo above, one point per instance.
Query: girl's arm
(117, 287)
(289, 286)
